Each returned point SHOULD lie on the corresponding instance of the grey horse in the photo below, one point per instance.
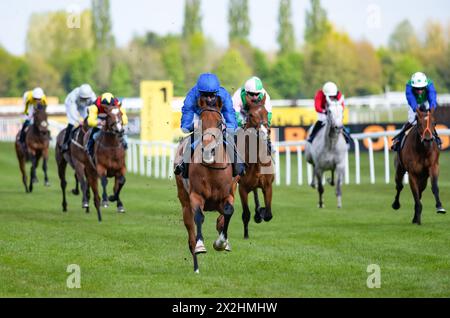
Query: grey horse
(327, 152)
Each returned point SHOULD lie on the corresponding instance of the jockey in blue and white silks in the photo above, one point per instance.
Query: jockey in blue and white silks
(419, 91)
(208, 87)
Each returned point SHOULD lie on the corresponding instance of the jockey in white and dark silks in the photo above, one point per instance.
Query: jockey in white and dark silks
(329, 93)
(419, 91)
(254, 89)
(31, 99)
(77, 103)
(208, 88)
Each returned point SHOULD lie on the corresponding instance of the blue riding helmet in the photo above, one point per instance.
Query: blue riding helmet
(208, 83)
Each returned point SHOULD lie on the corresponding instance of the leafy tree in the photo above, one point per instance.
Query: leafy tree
(102, 24)
(317, 25)
(14, 72)
(286, 77)
(121, 81)
(404, 39)
(286, 36)
(232, 70)
(80, 69)
(192, 18)
(173, 64)
(238, 20)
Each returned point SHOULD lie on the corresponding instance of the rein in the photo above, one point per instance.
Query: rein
(427, 128)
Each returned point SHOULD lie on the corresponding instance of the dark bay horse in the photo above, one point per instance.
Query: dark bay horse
(109, 154)
(77, 158)
(37, 138)
(210, 186)
(260, 171)
(420, 158)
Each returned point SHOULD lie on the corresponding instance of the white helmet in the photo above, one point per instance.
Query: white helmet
(254, 85)
(330, 89)
(86, 91)
(419, 80)
(38, 93)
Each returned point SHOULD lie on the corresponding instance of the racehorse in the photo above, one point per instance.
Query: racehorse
(109, 158)
(327, 152)
(259, 171)
(420, 158)
(37, 139)
(210, 186)
(77, 158)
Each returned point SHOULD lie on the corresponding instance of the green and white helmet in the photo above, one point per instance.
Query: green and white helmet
(254, 85)
(419, 80)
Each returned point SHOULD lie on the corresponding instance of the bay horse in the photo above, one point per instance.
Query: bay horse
(109, 158)
(77, 158)
(327, 152)
(259, 171)
(419, 156)
(37, 138)
(210, 186)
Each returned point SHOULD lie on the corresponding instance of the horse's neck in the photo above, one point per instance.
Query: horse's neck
(417, 145)
(329, 139)
(109, 139)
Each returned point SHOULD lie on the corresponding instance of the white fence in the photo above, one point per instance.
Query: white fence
(155, 159)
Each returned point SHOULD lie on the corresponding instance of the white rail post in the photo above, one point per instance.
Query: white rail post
(135, 161)
(141, 159)
(149, 159)
(386, 160)
(171, 161)
(157, 155)
(299, 166)
(309, 173)
(357, 162)
(288, 165)
(164, 161)
(277, 166)
(347, 168)
(129, 154)
(371, 162)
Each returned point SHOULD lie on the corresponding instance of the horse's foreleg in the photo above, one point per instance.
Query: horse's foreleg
(76, 191)
(268, 202)
(80, 178)
(105, 202)
(44, 167)
(399, 174)
(259, 212)
(93, 183)
(197, 209)
(222, 242)
(32, 172)
(415, 189)
(22, 166)
(188, 219)
(434, 174)
(245, 209)
(119, 183)
(339, 182)
(62, 164)
(320, 188)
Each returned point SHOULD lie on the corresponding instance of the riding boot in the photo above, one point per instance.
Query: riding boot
(270, 149)
(317, 126)
(65, 145)
(22, 131)
(124, 142)
(347, 136)
(90, 144)
(396, 141)
(438, 139)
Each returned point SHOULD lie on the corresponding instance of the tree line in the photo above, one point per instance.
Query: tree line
(59, 58)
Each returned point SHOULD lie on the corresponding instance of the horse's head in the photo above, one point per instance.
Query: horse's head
(40, 118)
(258, 117)
(114, 120)
(425, 123)
(335, 115)
(211, 123)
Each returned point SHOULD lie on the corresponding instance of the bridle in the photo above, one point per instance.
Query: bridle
(427, 128)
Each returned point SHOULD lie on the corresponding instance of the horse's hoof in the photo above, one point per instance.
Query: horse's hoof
(228, 247)
(441, 210)
(415, 221)
(313, 185)
(321, 206)
(105, 204)
(197, 271)
(268, 218)
(396, 205)
(47, 184)
(112, 198)
(75, 192)
(200, 247)
(85, 205)
(257, 218)
(35, 180)
(120, 209)
(220, 244)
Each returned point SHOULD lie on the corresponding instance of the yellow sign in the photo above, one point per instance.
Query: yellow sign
(297, 116)
(156, 113)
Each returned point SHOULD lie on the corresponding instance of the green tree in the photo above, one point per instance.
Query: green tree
(14, 72)
(404, 39)
(102, 24)
(194, 48)
(286, 35)
(121, 81)
(317, 25)
(286, 78)
(192, 18)
(238, 20)
(173, 64)
(232, 70)
(80, 68)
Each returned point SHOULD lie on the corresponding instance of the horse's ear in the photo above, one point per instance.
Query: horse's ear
(201, 103)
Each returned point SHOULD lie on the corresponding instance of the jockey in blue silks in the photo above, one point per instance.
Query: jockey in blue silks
(208, 87)
(419, 91)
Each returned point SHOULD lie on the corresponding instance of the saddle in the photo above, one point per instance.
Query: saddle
(402, 142)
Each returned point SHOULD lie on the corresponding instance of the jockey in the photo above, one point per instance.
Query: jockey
(31, 99)
(419, 91)
(208, 87)
(99, 110)
(254, 89)
(76, 107)
(323, 98)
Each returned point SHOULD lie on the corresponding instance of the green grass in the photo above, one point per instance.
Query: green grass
(302, 252)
